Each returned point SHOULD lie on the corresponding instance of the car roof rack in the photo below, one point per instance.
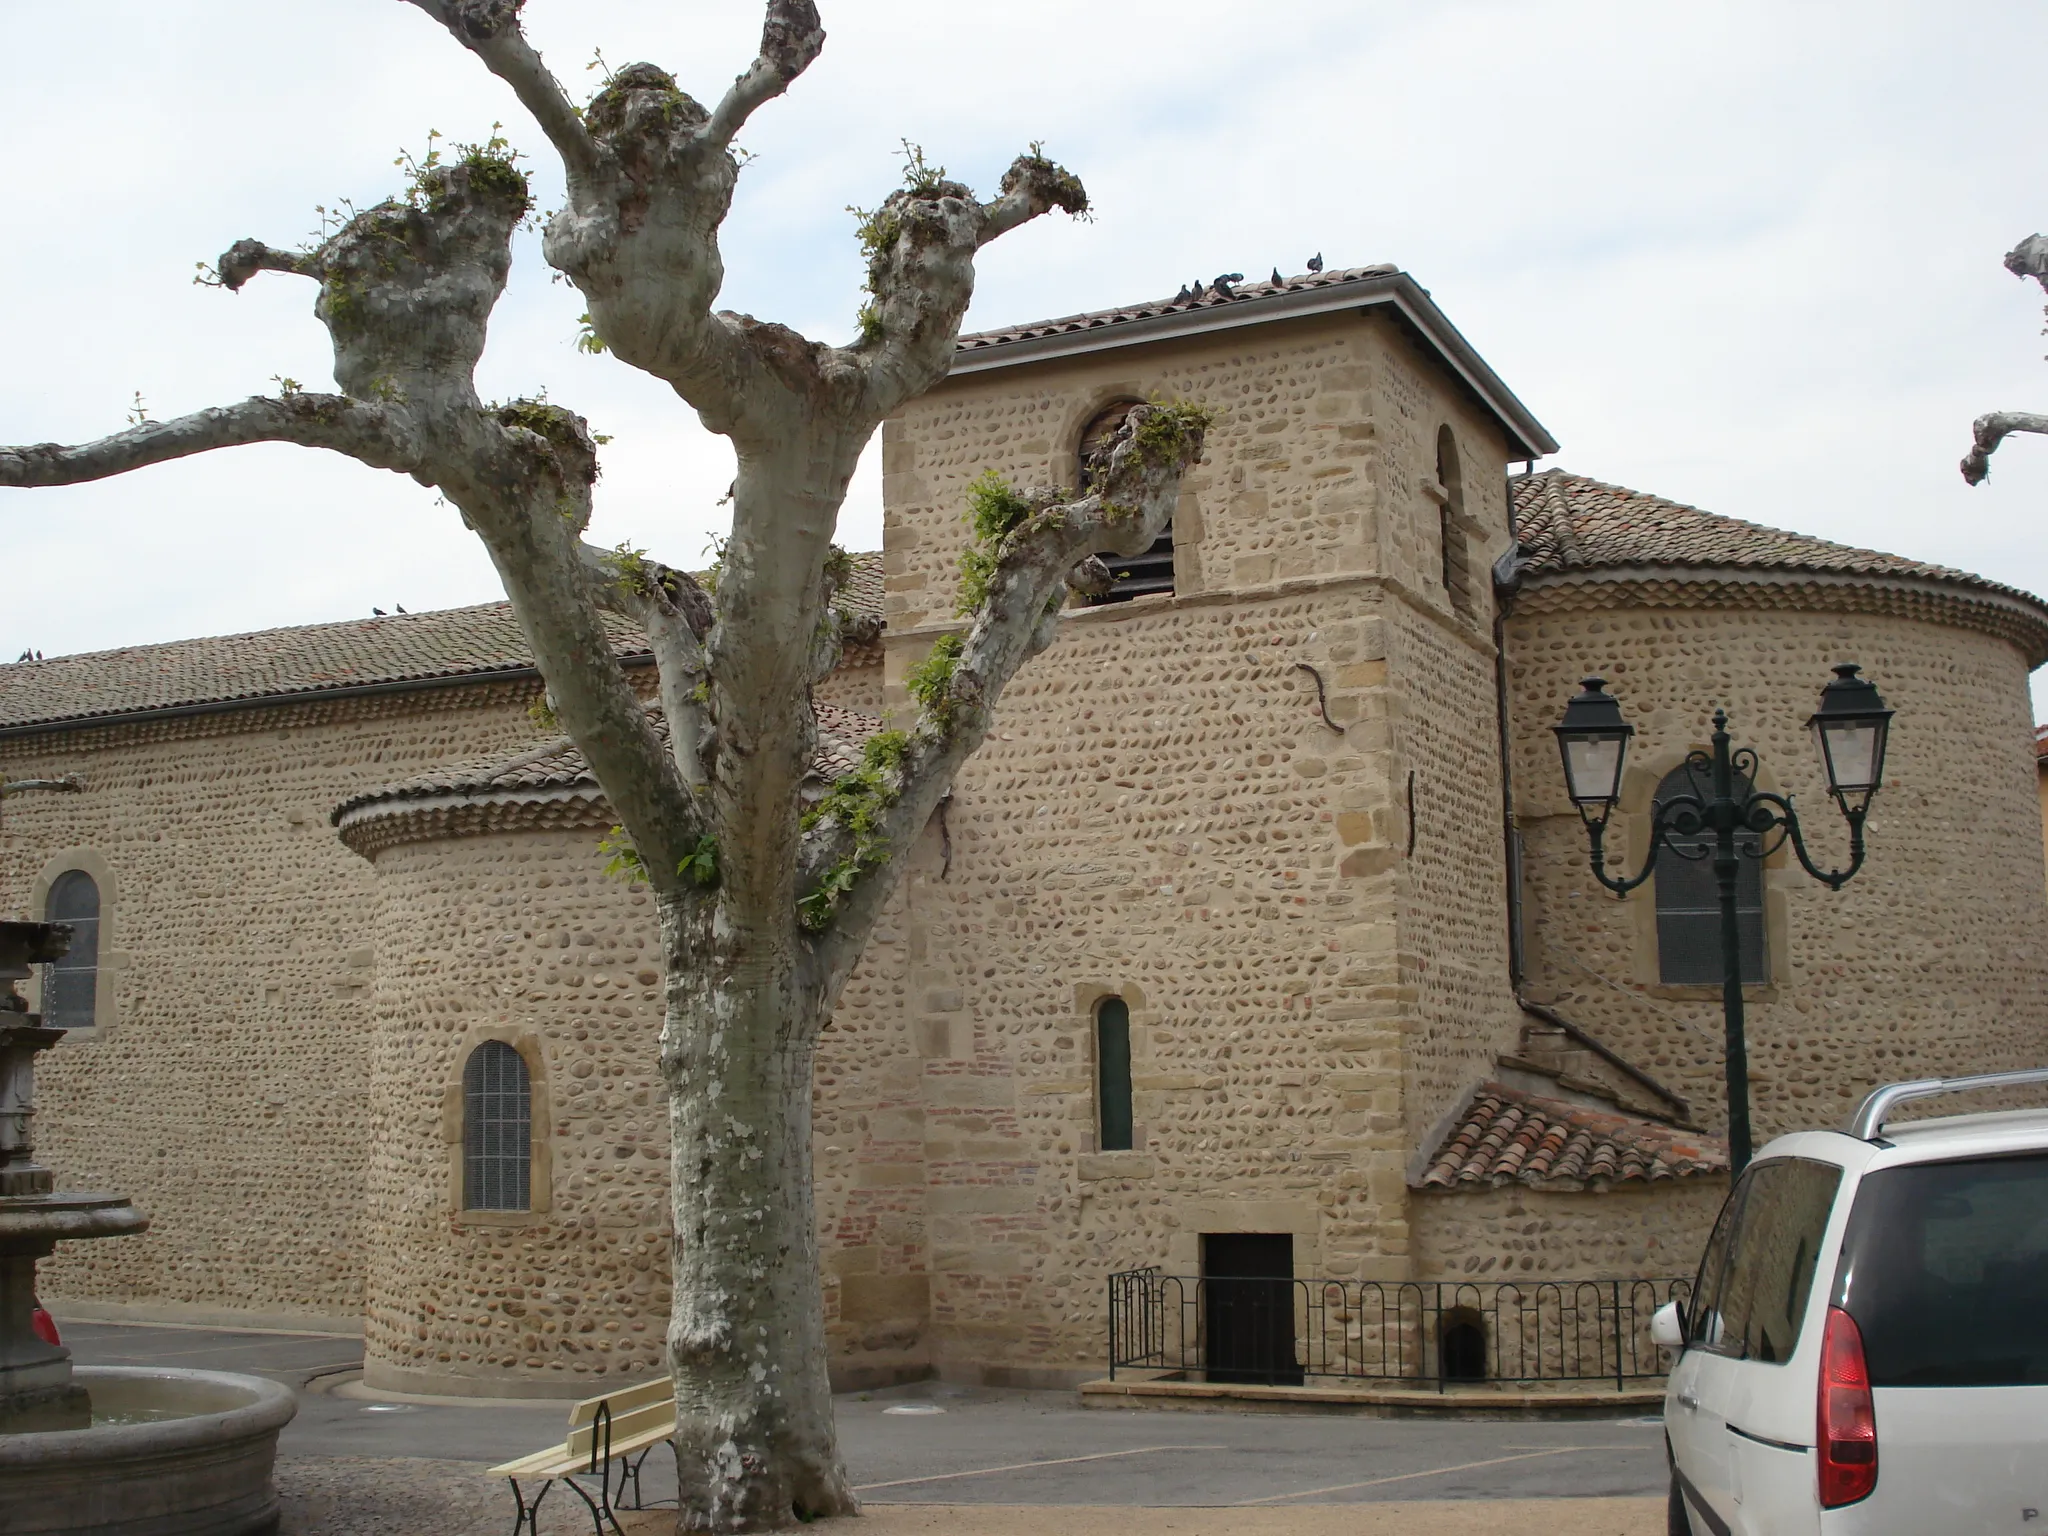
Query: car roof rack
(1871, 1114)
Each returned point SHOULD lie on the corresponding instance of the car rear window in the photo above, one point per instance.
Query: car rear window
(1945, 1269)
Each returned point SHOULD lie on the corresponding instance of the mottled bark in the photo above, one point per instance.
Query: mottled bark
(2027, 259)
(764, 909)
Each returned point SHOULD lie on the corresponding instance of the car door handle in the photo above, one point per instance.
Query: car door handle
(1688, 1402)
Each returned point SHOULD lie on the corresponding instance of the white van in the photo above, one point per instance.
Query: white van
(1865, 1352)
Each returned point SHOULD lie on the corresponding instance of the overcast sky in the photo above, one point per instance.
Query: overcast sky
(1743, 254)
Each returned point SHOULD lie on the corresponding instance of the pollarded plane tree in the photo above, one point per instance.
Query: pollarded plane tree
(764, 906)
(2027, 259)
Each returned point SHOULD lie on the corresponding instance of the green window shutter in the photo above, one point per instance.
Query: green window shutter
(1113, 1073)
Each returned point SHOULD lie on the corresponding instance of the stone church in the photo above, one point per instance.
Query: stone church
(1263, 914)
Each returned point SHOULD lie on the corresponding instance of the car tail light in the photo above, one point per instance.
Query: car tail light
(1845, 1432)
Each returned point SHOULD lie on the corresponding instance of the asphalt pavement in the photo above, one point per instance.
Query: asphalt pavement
(931, 1443)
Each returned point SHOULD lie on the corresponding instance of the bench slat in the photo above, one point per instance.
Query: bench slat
(560, 1461)
(662, 1389)
(656, 1416)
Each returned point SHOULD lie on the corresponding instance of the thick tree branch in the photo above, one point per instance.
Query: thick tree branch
(791, 37)
(1988, 432)
(377, 435)
(1139, 479)
(675, 613)
(490, 30)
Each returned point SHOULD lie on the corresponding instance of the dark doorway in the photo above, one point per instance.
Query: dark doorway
(1462, 1345)
(1248, 1307)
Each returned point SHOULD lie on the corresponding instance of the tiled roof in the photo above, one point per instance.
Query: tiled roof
(557, 765)
(1566, 522)
(311, 659)
(1506, 1135)
(1237, 293)
(2041, 741)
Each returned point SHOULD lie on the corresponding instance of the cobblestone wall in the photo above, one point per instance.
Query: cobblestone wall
(1163, 814)
(518, 937)
(228, 1089)
(1933, 960)
(1631, 1231)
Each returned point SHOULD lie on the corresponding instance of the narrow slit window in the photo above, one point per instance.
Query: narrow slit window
(71, 985)
(1143, 575)
(1689, 900)
(497, 1130)
(1113, 1074)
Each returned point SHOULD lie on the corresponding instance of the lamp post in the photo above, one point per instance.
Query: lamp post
(1849, 728)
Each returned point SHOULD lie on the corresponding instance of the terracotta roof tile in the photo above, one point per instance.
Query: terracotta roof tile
(1506, 1135)
(1098, 318)
(308, 660)
(557, 765)
(1566, 522)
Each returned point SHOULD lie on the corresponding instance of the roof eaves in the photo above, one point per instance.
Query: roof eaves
(1397, 290)
(1991, 593)
(284, 697)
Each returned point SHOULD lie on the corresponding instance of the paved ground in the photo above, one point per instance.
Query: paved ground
(1440, 1517)
(350, 1465)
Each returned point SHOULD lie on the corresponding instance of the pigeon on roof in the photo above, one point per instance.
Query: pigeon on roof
(1315, 262)
(1221, 286)
(1277, 280)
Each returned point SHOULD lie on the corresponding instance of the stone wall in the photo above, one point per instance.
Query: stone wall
(517, 937)
(1163, 814)
(1629, 1231)
(227, 1090)
(1932, 961)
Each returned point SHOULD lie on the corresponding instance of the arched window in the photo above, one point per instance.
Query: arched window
(1453, 541)
(1689, 899)
(497, 1130)
(1138, 575)
(71, 985)
(1113, 1074)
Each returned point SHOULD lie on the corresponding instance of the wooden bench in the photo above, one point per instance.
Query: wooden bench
(619, 1428)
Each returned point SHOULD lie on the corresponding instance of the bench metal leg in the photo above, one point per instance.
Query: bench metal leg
(629, 1471)
(528, 1518)
(601, 1506)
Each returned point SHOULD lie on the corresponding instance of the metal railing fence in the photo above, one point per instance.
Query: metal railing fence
(1428, 1333)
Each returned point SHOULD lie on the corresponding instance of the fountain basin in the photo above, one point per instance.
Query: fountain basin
(170, 1453)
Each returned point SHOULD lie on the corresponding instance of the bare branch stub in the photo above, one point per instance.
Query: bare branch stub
(1988, 431)
(2027, 259)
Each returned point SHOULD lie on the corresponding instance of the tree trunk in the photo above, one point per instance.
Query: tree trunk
(754, 1437)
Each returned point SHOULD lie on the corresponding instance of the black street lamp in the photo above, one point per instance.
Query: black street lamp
(1849, 728)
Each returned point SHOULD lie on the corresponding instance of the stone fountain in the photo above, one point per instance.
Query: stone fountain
(103, 1452)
